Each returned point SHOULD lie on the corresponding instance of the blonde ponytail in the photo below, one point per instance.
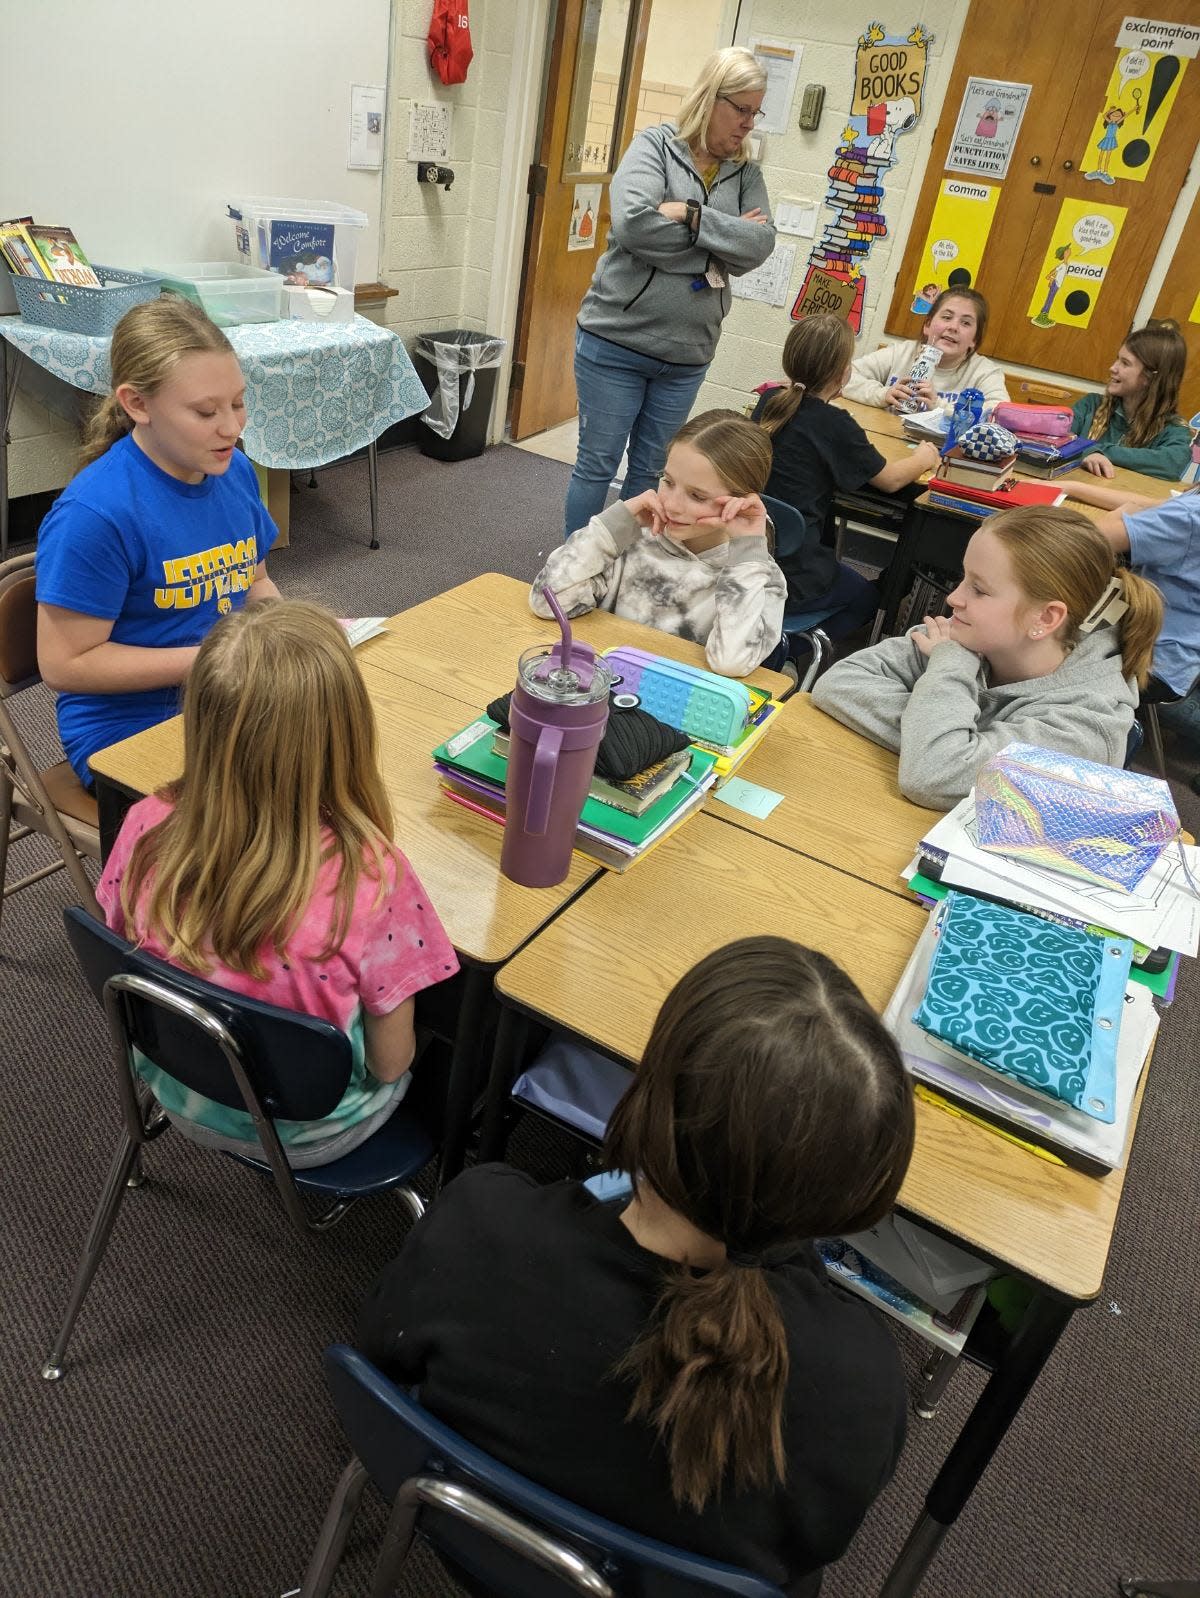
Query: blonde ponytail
(1139, 627)
(108, 422)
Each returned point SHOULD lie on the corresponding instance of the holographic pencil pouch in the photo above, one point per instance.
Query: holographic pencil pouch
(1072, 815)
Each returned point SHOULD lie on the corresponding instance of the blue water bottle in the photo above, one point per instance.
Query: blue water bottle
(968, 409)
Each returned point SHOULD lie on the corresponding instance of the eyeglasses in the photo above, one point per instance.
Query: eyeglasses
(746, 113)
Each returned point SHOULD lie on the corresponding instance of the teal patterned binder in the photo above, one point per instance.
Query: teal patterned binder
(1038, 1002)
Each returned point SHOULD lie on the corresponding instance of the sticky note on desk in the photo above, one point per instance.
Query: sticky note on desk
(748, 797)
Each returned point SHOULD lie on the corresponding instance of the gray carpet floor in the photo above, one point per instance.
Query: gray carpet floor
(191, 1450)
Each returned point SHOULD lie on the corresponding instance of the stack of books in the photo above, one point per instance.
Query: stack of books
(1051, 457)
(970, 473)
(620, 821)
(32, 250)
(1161, 915)
(963, 499)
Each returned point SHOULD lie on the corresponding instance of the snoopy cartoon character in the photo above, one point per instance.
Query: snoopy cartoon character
(899, 116)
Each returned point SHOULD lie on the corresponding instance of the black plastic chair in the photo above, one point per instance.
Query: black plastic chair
(272, 1062)
(791, 535)
(517, 1540)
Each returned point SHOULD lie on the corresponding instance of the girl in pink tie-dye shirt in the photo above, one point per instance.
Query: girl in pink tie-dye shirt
(269, 868)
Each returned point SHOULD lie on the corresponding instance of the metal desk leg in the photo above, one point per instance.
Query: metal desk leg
(114, 803)
(893, 585)
(464, 1069)
(1027, 1352)
(373, 479)
(511, 1037)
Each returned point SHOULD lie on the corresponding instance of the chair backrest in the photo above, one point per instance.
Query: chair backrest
(298, 1066)
(791, 530)
(397, 1440)
(18, 625)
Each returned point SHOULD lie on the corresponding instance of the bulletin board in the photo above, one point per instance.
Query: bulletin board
(135, 122)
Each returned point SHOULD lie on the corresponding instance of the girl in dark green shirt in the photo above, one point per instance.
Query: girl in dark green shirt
(1134, 421)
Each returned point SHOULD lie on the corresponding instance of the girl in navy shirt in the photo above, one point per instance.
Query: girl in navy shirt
(160, 533)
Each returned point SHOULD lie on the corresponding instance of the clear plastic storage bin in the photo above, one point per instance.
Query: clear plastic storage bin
(313, 241)
(226, 291)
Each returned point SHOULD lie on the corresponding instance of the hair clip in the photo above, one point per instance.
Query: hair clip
(1110, 607)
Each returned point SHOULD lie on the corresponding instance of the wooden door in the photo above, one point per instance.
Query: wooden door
(1180, 297)
(587, 123)
(1070, 73)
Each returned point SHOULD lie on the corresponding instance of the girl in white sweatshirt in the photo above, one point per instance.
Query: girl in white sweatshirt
(691, 557)
(957, 322)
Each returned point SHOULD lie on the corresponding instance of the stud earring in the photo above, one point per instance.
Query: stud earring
(1037, 632)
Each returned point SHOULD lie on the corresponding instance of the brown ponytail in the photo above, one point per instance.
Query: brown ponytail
(770, 1107)
(815, 353)
(148, 343)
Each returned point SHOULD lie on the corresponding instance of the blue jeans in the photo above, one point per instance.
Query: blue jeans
(623, 397)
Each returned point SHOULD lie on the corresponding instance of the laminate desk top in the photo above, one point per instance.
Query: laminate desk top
(455, 853)
(466, 642)
(604, 966)
(841, 801)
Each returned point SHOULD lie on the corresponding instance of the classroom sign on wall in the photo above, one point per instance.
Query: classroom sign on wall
(989, 120)
(889, 82)
(1076, 262)
(1134, 116)
(958, 233)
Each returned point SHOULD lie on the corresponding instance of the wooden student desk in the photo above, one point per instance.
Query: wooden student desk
(841, 801)
(466, 642)
(601, 970)
(428, 676)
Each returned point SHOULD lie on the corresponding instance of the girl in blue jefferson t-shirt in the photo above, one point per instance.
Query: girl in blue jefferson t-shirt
(161, 532)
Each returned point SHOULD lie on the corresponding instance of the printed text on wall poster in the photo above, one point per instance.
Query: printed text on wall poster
(1077, 260)
(989, 121)
(958, 234)
(1133, 119)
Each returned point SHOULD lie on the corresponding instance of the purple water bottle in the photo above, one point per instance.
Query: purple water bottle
(556, 718)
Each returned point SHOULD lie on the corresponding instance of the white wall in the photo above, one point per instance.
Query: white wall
(135, 121)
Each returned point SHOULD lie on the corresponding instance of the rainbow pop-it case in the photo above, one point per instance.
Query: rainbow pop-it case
(708, 708)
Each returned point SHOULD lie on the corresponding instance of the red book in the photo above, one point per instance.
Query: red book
(1017, 493)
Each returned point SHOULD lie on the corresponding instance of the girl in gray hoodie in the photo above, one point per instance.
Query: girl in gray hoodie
(1046, 643)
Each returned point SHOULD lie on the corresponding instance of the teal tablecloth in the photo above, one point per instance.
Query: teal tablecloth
(315, 391)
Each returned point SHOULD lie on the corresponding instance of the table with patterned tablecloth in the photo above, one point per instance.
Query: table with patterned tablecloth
(315, 391)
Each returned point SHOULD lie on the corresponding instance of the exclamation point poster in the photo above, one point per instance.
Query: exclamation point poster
(1135, 115)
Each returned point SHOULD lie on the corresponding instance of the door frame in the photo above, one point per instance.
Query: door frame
(530, 55)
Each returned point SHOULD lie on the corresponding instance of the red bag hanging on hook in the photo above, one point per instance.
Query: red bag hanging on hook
(450, 40)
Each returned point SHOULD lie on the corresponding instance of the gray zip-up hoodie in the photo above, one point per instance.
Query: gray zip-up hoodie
(641, 295)
(729, 598)
(944, 718)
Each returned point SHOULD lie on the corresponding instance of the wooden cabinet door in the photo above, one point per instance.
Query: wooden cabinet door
(1069, 59)
(1180, 297)
(587, 123)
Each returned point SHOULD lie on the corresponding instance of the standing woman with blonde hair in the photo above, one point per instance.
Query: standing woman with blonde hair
(689, 210)
(161, 532)
(680, 1363)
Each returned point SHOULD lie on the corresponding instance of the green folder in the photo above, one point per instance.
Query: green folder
(479, 760)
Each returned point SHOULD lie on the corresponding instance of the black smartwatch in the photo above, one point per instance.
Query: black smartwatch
(693, 215)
